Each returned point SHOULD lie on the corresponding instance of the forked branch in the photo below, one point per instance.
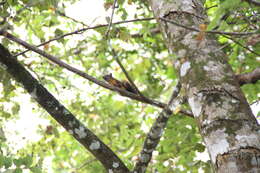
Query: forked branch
(86, 76)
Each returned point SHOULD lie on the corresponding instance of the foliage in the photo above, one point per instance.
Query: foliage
(121, 123)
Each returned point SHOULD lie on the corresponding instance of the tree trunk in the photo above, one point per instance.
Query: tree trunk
(227, 125)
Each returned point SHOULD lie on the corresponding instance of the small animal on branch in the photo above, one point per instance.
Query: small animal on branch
(120, 84)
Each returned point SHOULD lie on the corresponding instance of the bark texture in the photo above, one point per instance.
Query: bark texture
(227, 125)
(61, 114)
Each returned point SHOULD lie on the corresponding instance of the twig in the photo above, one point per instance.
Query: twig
(74, 20)
(155, 133)
(86, 163)
(79, 31)
(114, 54)
(61, 114)
(251, 77)
(212, 32)
(222, 47)
(245, 47)
(86, 76)
(111, 19)
(213, 6)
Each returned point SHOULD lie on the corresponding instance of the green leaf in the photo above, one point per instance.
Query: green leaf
(199, 147)
(2, 160)
(36, 169)
(223, 9)
(7, 162)
(18, 170)
(27, 160)
(15, 108)
(18, 162)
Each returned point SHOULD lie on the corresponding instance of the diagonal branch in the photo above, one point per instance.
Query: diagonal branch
(81, 73)
(86, 76)
(155, 133)
(125, 72)
(211, 32)
(68, 17)
(79, 31)
(111, 19)
(240, 44)
(251, 77)
(224, 34)
(62, 115)
(114, 54)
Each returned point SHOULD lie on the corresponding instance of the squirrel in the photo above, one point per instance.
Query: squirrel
(120, 84)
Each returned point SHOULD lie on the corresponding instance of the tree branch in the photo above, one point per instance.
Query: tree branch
(62, 115)
(79, 31)
(74, 20)
(211, 32)
(247, 78)
(125, 72)
(245, 47)
(224, 34)
(114, 54)
(86, 76)
(155, 133)
(111, 19)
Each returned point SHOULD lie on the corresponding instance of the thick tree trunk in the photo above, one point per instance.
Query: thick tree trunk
(227, 125)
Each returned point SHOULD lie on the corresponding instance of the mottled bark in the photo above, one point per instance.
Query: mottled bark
(62, 115)
(154, 135)
(227, 125)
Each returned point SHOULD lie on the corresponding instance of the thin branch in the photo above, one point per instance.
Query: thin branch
(247, 78)
(211, 32)
(155, 134)
(74, 70)
(61, 114)
(86, 76)
(125, 72)
(222, 47)
(86, 163)
(114, 54)
(224, 34)
(79, 31)
(111, 19)
(245, 47)
(213, 6)
(68, 17)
